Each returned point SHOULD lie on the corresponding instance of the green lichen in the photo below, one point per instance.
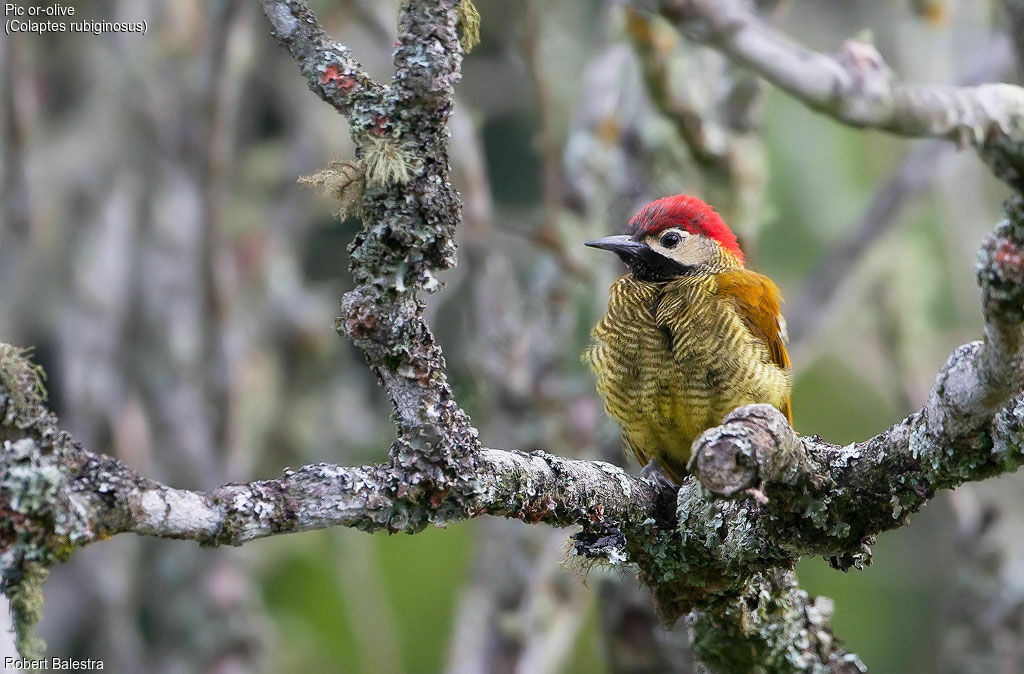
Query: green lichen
(1008, 437)
(21, 381)
(817, 511)
(36, 531)
(784, 630)
(30, 486)
(26, 602)
(839, 530)
(387, 161)
(469, 25)
(33, 534)
(229, 530)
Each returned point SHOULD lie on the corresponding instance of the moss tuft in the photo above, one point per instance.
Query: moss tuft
(26, 600)
(469, 25)
(387, 162)
(21, 380)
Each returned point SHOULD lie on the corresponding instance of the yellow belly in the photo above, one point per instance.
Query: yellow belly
(671, 366)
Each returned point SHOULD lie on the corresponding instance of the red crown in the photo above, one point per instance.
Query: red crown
(689, 213)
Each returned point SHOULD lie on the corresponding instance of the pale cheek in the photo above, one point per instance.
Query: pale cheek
(691, 252)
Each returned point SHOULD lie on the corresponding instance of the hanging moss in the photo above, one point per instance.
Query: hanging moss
(21, 381)
(342, 182)
(26, 600)
(469, 25)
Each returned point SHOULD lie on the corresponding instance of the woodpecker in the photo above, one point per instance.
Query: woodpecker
(690, 334)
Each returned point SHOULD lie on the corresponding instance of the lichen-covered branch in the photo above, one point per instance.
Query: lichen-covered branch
(409, 221)
(915, 175)
(781, 627)
(856, 87)
(57, 496)
(760, 497)
(797, 496)
(329, 67)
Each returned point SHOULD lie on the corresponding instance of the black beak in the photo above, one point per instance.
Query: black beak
(626, 247)
(644, 262)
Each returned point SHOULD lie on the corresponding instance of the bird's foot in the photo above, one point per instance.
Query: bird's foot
(652, 472)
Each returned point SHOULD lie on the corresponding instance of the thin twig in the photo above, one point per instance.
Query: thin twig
(915, 175)
(856, 87)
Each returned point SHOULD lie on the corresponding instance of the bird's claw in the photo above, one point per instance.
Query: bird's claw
(652, 473)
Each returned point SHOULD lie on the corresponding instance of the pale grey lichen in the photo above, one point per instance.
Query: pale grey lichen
(342, 182)
(388, 162)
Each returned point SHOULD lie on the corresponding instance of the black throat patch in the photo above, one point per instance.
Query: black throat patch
(652, 266)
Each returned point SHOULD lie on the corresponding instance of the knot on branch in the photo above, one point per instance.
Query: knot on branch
(755, 445)
(868, 81)
(862, 59)
(359, 319)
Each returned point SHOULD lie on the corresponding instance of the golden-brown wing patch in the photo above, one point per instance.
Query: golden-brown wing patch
(757, 301)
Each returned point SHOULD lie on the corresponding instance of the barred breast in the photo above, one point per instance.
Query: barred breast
(671, 360)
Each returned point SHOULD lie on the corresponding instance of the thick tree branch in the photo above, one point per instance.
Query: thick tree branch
(409, 221)
(800, 495)
(781, 627)
(104, 497)
(856, 87)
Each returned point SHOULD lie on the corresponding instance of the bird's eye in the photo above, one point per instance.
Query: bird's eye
(671, 240)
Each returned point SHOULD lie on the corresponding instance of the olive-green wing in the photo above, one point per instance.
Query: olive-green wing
(757, 301)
